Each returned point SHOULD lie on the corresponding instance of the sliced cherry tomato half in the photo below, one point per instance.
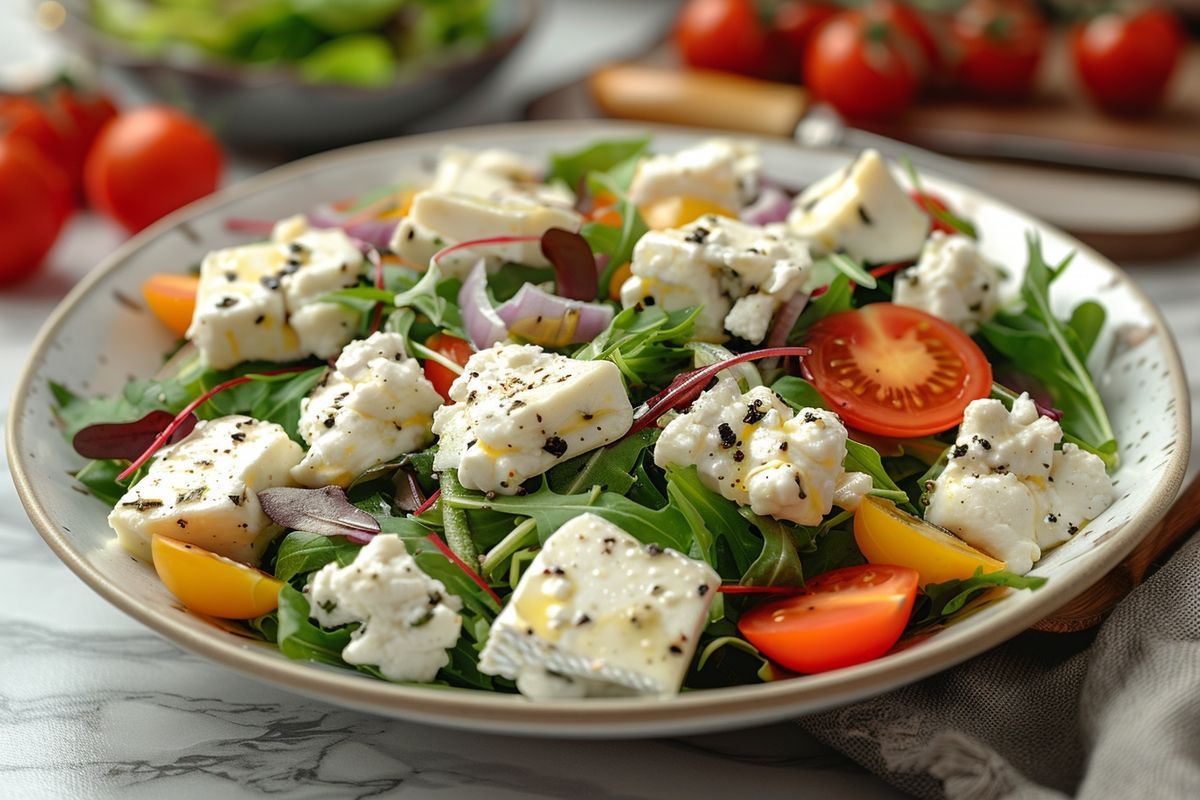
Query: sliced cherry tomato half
(887, 535)
(845, 617)
(453, 348)
(172, 298)
(212, 584)
(895, 370)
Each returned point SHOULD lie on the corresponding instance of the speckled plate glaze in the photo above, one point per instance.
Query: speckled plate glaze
(100, 335)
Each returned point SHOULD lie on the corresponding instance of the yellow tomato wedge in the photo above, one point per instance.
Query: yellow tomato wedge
(619, 276)
(887, 535)
(172, 298)
(675, 212)
(211, 584)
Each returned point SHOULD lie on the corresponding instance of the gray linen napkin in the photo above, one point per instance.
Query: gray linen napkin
(1109, 715)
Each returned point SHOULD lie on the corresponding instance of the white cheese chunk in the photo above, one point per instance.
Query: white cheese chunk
(754, 450)
(495, 173)
(951, 280)
(863, 210)
(204, 490)
(439, 219)
(600, 613)
(1007, 491)
(518, 411)
(740, 273)
(722, 171)
(260, 301)
(408, 619)
(374, 406)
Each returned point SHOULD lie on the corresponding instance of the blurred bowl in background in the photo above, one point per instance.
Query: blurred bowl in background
(272, 106)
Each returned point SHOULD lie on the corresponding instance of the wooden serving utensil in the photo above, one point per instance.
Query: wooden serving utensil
(1093, 605)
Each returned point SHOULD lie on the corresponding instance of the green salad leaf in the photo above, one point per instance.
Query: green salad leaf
(648, 345)
(940, 601)
(600, 156)
(1039, 344)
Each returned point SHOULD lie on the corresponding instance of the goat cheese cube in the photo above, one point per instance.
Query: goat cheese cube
(518, 411)
(408, 619)
(739, 273)
(863, 210)
(439, 219)
(1007, 491)
(204, 490)
(493, 174)
(951, 280)
(600, 613)
(261, 301)
(722, 171)
(481, 173)
(374, 406)
(753, 449)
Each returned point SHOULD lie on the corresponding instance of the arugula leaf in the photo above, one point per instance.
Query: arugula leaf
(100, 478)
(864, 458)
(437, 298)
(302, 553)
(648, 345)
(836, 298)
(1087, 320)
(940, 601)
(300, 639)
(600, 237)
(833, 549)
(778, 564)
(852, 269)
(610, 468)
(137, 399)
(665, 527)
(599, 156)
(765, 671)
(1042, 346)
(798, 393)
(713, 519)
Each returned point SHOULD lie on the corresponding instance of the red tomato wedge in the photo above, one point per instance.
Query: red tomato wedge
(454, 349)
(845, 617)
(896, 371)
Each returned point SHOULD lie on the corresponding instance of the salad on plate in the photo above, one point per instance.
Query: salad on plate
(626, 423)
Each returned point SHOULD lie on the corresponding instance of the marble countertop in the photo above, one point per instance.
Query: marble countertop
(96, 706)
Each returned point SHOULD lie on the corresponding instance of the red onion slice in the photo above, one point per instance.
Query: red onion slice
(772, 205)
(544, 318)
(483, 324)
(785, 319)
(378, 232)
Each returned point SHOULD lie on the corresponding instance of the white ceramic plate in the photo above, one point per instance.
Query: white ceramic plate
(99, 336)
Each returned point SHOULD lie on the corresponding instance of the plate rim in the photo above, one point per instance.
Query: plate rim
(691, 712)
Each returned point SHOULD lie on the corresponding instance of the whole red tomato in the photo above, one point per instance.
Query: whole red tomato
(911, 22)
(148, 162)
(792, 29)
(43, 128)
(86, 113)
(1126, 60)
(1000, 45)
(863, 67)
(723, 34)
(35, 201)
